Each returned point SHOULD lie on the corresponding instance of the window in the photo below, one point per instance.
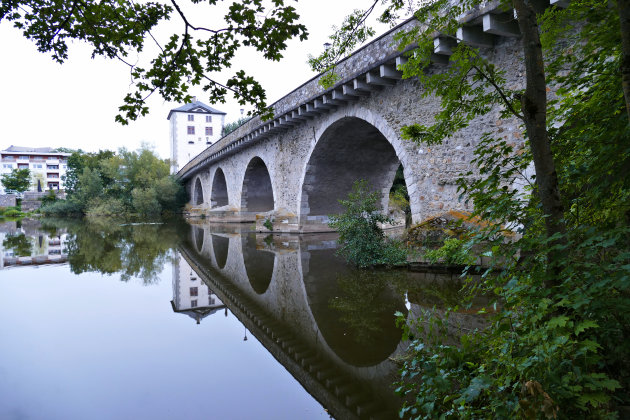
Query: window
(191, 117)
(193, 291)
(208, 131)
(52, 166)
(191, 129)
(23, 157)
(211, 301)
(208, 118)
(7, 165)
(37, 166)
(193, 303)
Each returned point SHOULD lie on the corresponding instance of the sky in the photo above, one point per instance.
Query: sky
(45, 104)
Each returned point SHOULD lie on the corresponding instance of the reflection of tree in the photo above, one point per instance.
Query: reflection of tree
(20, 244)
(366, 304)
(108, 247)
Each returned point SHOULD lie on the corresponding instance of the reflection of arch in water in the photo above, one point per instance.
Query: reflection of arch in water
(219, 192)
(221, 246)
(258, 264)
(257, 193)
(355, 313)
(348, 150)
(198, 193)
(198, 237)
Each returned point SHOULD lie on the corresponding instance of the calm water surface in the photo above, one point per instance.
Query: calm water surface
(106, 320)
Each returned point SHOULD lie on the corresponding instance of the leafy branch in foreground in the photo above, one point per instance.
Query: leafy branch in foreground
(119, 30)
(556, 344)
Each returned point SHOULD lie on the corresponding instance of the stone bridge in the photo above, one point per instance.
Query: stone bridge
(293, 169)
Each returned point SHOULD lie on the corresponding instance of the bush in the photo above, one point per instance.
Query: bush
(61, 207)
(50, 197)
(361, 239)
(107, 207)
(454, 251)
(145, 201)
(13, 213)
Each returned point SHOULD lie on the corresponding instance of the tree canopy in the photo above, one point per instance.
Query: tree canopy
(195, 56)
(17, 180)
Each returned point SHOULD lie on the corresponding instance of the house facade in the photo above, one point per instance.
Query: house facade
(46, 165)
(193, 127)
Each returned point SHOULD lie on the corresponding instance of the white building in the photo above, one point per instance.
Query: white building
(46, 165)
(193, 127)
(191, 296)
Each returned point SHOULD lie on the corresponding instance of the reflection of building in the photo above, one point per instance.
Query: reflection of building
(194, 127)
(45, 165)
(22, 246)
(191, 296)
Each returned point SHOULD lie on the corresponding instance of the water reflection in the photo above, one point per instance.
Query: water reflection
(191, 296)
(220, 245)
(354, 310)
(331, 327)
(259, 261)
(27, 243)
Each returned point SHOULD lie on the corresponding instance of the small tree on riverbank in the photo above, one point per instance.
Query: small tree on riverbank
(361, 239)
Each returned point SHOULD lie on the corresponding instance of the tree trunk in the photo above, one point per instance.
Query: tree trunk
(623, 7)
(534, 107)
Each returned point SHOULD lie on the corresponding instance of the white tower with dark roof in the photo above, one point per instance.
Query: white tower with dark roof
(193, 127)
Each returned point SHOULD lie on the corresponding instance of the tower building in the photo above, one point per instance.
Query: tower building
(193, 128)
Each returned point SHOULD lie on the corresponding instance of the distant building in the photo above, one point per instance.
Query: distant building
(191, 296)
(193, 127)
(46, 165)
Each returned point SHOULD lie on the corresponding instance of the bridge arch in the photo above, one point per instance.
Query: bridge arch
(198, 198)
(218, 191)
(354, 145)
(257, 192)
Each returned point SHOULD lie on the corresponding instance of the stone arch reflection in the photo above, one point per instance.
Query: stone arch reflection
(219, 192)
(355, 313)
(198, 237)
(221, 246)
(259, 263)
(349, 149)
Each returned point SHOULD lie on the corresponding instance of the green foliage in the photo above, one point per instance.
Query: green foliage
(13, 212)
(454, 251)
(108, 184)
(106, 246)
(49, 197)
(20, 244)
(352, 32)
(556, 344)
(145, 201)
(268, 224)
(229, 127)
(62, 207)
(192, 57)
(361, 239)
(17, 180)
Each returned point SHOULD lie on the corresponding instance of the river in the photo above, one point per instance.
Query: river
(114, 320)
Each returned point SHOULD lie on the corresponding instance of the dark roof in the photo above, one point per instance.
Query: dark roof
(42, 150)
(196, 107)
